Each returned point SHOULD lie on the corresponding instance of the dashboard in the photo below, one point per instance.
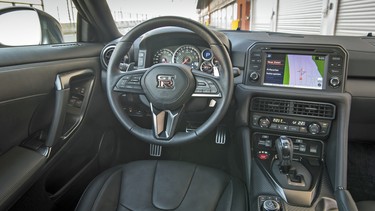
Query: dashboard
(305, 87)
(344, 64)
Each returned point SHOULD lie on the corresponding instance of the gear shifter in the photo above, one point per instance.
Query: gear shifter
(284, 147)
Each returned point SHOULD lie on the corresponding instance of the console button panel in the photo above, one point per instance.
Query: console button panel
(264, 146)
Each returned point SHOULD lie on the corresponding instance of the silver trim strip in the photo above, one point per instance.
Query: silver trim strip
(205, 95)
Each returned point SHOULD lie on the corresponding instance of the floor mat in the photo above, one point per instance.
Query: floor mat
(361, 171)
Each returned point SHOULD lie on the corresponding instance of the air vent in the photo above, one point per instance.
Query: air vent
(314, 109)
(293, 107)
(107, 53)
(270, 105)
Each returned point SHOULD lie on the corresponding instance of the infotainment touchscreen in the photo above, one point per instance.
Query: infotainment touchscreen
(295, 70)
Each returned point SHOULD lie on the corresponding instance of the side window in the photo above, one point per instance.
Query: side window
(37, 22)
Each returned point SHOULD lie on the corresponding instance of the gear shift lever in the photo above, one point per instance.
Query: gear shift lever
(284, 147)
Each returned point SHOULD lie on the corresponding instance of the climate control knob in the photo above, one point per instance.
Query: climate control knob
(264, 122)
(254, 76)
(334, 82)
(314, 128)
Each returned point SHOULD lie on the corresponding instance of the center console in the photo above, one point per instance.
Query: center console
(294, 106)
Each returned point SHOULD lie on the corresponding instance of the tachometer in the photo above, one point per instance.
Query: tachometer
(188, 55)
(163, 56)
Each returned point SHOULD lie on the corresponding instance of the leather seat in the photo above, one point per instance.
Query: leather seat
(366, 205)
(163, 185)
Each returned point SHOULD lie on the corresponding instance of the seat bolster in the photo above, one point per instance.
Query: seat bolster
(95, 190)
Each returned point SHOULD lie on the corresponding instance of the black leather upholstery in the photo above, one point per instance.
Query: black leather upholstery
(366, 205)
(164, 185)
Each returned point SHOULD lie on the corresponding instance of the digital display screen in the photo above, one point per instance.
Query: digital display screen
(295, 70)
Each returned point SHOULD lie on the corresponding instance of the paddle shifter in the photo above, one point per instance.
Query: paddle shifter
(284, 147)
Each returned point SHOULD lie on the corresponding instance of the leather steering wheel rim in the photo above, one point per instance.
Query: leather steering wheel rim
(224, 81)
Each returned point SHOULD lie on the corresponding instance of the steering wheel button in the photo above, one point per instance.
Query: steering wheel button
(202, 84)
(199, 91)
(210, 82)
(121, 84)
(129, 87)
(213, 89)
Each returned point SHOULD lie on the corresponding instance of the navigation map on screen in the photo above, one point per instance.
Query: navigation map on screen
(295, 70)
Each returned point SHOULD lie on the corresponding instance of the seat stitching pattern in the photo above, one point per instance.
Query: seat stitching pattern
(153, 184)
(191, 180)
(222, 193)
(119, 194)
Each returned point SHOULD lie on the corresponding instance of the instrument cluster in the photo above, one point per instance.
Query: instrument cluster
(192, 56)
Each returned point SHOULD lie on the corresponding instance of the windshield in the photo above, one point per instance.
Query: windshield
(314, 17)
(128, 13)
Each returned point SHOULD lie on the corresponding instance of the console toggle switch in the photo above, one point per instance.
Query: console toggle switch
(303, 129)
(268, 143)
(313, 149)
(302, 147)
(261, 143)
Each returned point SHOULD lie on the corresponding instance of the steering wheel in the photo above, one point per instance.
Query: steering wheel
(168, 87)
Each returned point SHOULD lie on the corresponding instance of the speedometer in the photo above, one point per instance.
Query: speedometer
(163, 56)
(187, 55)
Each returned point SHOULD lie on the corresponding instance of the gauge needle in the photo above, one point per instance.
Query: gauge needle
(186, 60)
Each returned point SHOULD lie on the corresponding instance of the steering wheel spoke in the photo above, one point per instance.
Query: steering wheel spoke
(130, 82)
(165, 122)
(206, 85)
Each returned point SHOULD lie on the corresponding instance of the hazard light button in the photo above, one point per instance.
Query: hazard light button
(263, 155)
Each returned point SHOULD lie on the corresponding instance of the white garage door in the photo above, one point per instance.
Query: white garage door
(302, 17)
(355, 17)
(262, 15)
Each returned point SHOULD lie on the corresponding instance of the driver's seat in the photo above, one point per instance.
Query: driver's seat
(163, 185)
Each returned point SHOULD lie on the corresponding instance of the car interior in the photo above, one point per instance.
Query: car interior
(175, 115)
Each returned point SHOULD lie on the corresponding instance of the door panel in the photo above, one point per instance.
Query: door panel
(28, 103)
